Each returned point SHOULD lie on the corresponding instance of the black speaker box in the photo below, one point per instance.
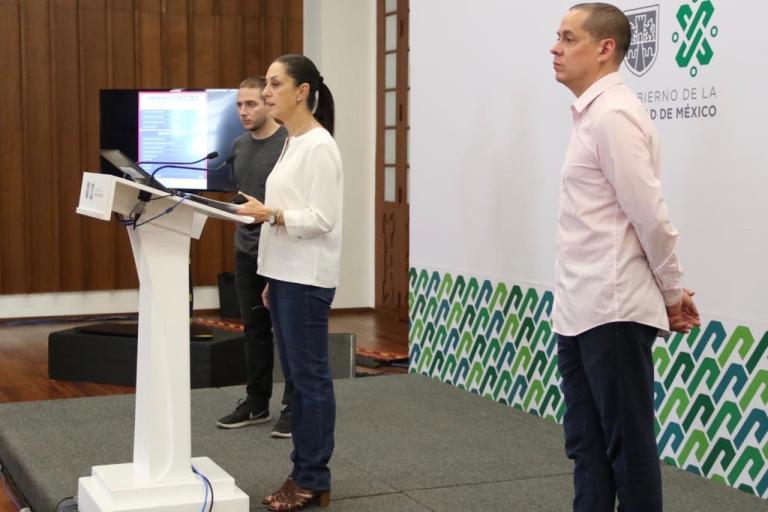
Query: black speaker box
(106, 353)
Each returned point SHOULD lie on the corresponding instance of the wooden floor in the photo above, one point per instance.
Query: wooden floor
(24, 359)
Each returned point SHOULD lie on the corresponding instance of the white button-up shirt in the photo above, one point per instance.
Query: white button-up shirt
(616, 249)
(307, 185)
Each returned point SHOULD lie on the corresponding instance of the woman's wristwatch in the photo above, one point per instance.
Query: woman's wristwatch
(273, 217)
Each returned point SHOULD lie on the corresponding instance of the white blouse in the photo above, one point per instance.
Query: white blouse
(307, 184)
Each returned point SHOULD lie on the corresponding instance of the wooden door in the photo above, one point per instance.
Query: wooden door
(392, 157)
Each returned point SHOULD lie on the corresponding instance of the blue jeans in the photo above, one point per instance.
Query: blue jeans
(608, 384)
(300, 321)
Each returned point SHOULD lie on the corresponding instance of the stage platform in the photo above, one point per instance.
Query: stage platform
(403, 443)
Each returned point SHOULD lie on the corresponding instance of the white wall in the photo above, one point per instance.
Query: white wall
(340, 37)
(486, 168)
(505, 170)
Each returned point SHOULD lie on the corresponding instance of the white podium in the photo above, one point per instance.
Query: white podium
(160, 478)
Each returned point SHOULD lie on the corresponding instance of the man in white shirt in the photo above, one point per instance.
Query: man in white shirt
(617, 272)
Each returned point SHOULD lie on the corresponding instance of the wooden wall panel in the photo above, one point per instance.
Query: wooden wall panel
(59, 54)
(122, 74)
(271, 35)
(230, 51)
(120, 24)
(265, 32)
(14, 267)
(175, 44)
(149, 42)
(65, 97)
(41, 221)
(100, 238)
(252, 17)
(204, 59)
(293, 32)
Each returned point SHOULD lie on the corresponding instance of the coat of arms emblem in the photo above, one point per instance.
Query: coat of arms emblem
(644, 46)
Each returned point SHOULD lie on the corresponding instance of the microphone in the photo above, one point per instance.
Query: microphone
(226, 162)
(209, 156)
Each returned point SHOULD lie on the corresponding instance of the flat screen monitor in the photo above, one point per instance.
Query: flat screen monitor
(177, 126)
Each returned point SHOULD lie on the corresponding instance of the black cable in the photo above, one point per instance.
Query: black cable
(161, 197)
(171, 165)
(139, 206)
(208, 483)
(211, 488)
(166, 212)
(209, 156)
(152, 176)
(128, 222)
(205, 486)
(132, 218)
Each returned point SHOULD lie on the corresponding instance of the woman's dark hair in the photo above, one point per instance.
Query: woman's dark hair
(303, 70)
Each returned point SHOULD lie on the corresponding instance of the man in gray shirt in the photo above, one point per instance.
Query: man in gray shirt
(255, 153)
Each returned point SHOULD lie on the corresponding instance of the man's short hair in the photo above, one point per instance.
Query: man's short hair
(606, 21)
(254, 82)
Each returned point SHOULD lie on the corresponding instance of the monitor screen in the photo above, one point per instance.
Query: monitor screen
(174, 126)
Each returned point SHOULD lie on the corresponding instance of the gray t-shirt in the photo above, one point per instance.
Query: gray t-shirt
(254, 160)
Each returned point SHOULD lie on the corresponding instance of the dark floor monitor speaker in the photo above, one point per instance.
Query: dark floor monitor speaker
(107, 355)
(97, 354)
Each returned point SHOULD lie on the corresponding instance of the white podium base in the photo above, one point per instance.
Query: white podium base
(114, 488)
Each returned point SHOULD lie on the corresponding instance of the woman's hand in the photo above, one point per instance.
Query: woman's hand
(254, 208)
(265, 296)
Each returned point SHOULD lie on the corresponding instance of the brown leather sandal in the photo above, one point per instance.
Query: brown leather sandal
(269, 499)
(292, 497)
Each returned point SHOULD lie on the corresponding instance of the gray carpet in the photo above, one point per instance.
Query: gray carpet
(403, 443)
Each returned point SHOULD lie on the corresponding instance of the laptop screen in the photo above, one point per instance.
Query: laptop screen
(131, 168)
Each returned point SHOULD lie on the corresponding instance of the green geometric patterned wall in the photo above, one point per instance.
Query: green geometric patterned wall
(496, 340)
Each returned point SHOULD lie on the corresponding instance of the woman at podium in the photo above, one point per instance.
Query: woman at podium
(299, 254)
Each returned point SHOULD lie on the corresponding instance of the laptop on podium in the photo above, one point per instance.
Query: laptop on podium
(140, 175)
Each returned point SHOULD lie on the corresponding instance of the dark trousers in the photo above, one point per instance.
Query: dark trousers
(300, 317)
(257, 327)
(607, 379)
